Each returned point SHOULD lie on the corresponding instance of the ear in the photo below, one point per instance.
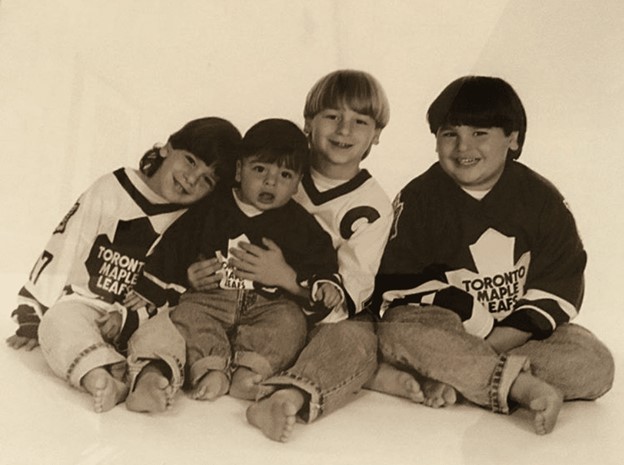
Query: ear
(165, 150)
(307, 127)
(513, 140)
(376, 136)
(239, 168)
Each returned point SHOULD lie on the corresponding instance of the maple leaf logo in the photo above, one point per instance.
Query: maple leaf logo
(498, 282)
(114, 267)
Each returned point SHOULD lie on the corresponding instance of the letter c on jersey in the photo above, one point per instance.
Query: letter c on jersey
(353, 216)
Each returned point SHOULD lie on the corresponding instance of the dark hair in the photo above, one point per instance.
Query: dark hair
(480, 101)
(358, 89)
(213, 140)
(277, 141)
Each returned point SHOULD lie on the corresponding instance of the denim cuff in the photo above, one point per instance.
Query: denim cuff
(313, 406)
(97, 355)
(255, 362)
(136, 365)
(207, 364)
(505, 373)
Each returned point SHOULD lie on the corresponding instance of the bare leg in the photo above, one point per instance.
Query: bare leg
(245, 384)
(152, 392)
(540, 397)
(391, 380)
(276, 414)
(105, 389)
(211, 386)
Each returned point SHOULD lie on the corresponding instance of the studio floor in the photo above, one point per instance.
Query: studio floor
(45, 422)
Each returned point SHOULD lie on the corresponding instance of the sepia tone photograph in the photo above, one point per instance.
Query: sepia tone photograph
(316, 232)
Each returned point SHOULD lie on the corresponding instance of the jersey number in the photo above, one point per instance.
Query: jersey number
(44, 260)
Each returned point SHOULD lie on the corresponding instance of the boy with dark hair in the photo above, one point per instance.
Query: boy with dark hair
(242, 331)
(481, 239)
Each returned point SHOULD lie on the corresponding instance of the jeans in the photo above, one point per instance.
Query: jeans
(238, 328)
(432, 341)
(337, 361)
(71, 341)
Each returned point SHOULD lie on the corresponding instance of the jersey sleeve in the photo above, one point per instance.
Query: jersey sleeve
(358, 261)
(555, 283)
(406, 278)
(164, 277)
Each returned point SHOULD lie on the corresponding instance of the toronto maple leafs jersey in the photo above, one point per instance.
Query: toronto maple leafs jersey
(99, 248)
(214, 228)
(357, 215)
(514, 257)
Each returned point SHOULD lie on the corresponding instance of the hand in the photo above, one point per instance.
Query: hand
(504, 338)
(110, 325)
(328, 294)
(21, 342)
(264, 266)
(134, 302)
(202, 275)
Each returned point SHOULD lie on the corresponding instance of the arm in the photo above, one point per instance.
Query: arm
(554, 287)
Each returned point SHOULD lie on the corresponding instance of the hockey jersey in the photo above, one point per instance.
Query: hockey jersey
(513, 258)
(99, 248)
(213, 229)
(357, 215)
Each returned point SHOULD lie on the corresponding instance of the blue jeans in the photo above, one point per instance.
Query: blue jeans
(337, 361)
(432, 341)
(233, 328)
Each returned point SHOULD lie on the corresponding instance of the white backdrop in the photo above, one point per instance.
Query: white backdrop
(89, 85)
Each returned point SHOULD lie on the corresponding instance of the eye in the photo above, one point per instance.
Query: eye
(258, 168)
(191, 160)
(448, 133)
(362, 121)
(287, 174)
(480, 132)
(331, 115)
(209, 182)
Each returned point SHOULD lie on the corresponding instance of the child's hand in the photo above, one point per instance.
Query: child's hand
(202, 274)
(21, 342)
(134, 301)
(266, 267)
(110, 325)
(502, 339)
(328, 294)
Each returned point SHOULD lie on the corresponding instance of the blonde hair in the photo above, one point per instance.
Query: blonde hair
(359, 90)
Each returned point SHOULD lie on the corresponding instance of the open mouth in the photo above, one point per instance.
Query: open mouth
(340, 145)
(266, 197)
(179, 187)
(467, 161)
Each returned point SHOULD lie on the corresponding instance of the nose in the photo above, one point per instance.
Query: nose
(463, 143)
(344, 126)
(192, 176)
(270, 178)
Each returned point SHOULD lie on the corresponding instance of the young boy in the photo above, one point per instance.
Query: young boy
(345, 113)
(98, 251)
(481, 239)
(244, 331)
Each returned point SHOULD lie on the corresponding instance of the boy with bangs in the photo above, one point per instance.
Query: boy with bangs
(345, 112)
(481, 239)
(240, 330)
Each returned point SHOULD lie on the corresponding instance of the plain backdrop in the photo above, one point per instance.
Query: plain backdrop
(87, 86)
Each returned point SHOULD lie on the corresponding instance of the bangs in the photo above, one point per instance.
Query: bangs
(289, 159)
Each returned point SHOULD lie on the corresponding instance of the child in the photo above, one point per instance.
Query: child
(481, 239)
(345, 113)
(243, 331)
(97, 252)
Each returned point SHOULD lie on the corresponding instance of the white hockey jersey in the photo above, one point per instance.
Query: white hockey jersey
(98, 250)
(357, 215)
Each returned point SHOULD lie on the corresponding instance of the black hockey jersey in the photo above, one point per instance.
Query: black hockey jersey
(515, 254)
(216, 227)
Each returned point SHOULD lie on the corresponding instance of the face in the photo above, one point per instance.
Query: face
(474, 157)
(265, 185)
(182, 178)
(339, 139)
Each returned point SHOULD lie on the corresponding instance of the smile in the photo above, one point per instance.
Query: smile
(467, 161)
(179, 187)
(341, 145)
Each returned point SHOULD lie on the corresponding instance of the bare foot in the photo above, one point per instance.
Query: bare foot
(393, 381)
(152, 392)
(106, 390)
(275, 416)
(541, 398)
(211, 386)
(437, 394)
(245, 384)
